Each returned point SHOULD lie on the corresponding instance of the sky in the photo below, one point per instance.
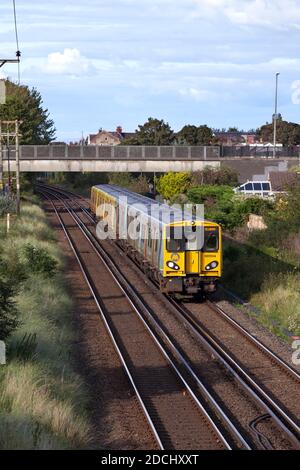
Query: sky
(103, 63)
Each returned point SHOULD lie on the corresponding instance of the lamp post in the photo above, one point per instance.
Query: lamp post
(275, 116)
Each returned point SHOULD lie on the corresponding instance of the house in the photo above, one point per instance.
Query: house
(235, 138)
(109, 137)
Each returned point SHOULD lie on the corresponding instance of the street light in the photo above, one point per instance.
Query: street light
(275, 115)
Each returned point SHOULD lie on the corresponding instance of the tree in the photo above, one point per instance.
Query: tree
(288, 133)
(188, 135)
(172, 184)
(153, 132)
(193, 135)
(220, 176)
(27, 105)
(205, 135)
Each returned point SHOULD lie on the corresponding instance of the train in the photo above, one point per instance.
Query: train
(183, 255)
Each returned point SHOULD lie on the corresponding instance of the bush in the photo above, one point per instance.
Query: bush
(39, 261)
(7, 205)
(8, 310)
(216, 176)
(11, 277)
(223, 206)
(171, 185)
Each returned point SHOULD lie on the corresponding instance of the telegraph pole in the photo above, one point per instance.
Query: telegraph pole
(12, 132)
(17, 166)
(1, 159)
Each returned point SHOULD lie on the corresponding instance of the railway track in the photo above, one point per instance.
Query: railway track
(273, 408)
(177, 417)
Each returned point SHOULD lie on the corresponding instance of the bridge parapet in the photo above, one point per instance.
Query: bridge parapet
(120, 152)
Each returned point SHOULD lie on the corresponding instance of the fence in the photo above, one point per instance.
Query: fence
(120, 152)
(240, 151)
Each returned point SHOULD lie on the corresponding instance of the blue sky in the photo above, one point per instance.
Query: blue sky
(103, 63)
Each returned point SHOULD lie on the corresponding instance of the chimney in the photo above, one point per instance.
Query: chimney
(119, 130)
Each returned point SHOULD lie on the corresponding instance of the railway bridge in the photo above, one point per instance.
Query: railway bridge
(146, 159)
(94, 158)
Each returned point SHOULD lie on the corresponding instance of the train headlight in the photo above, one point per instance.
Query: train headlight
(212, 265)
(173, 265)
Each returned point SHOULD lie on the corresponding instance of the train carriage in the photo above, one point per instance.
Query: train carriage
(182, 256)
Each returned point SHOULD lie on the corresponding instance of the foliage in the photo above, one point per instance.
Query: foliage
(223, 206)
(136, 183)
(193, 135)
(7, 205)
(39, 261)
(207, 193)
(27, 105)
(12, 274)
(218, 176)
(43, 400)
(172, 184)
(288, 133)
(282, 222)
(8, 310)
(123, 180)
(153, 132)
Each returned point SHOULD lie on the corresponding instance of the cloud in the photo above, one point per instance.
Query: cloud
(275, 14)
(196, 94)
(70, 62)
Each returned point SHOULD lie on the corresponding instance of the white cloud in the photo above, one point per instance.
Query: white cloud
(276, 14)
(70, 62)
(196, 94)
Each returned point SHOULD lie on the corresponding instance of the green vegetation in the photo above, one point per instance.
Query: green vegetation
(171, 185)
(220, 176)
(42, 399)
(27, 105)
(223, 206)
(153, 132)
(263, 266)
(288, 133)
(7, 205)
(193, 135)
(82, 182)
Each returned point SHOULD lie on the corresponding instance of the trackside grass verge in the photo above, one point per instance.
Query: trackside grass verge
(43, 401)
(269, 281)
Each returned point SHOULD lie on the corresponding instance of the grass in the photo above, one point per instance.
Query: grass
(268, 279)
(43, 402)
(279, 300)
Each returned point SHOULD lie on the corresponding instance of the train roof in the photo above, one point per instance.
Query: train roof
(163, 213)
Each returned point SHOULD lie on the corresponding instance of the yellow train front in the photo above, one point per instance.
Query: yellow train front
(182, 256)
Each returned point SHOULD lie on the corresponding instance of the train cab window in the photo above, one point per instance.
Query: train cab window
(175, 239)
(211, 239)
(193, 238)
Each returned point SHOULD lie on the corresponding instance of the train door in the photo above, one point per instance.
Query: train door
(192, 247)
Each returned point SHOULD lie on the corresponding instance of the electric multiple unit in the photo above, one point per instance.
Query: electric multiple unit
(182, 256)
